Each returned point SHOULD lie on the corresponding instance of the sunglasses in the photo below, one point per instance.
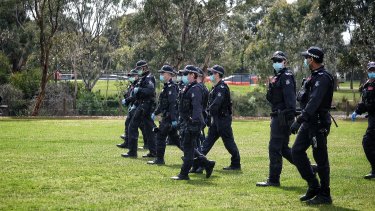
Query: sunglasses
(277, 60)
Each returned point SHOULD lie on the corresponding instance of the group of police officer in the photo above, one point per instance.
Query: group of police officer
(187, 107)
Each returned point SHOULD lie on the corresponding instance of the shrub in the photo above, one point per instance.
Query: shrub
(253, 104)
(28, 81)
(88, 103)
(4, 69)
(13, 97)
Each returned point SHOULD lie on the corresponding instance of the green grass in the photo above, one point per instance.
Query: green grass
(62, 164)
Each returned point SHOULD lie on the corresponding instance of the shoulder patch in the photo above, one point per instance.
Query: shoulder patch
(288, 73)
(222, 86)
(192, 95)
(320, 73)
(317, 83)
(170, 92)
(219, 94)
(287, 82)
(169, 85)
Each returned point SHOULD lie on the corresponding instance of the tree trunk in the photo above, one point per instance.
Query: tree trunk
(351, 79)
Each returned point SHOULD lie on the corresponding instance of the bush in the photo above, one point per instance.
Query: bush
(58, 100)
(4, 69)
(28, 81)
(88, 103)
(13, 97)
(253, 104)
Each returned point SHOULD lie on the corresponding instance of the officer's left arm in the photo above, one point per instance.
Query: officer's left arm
(289, 92)
(321, 87)
(172, 101)
(196, 101)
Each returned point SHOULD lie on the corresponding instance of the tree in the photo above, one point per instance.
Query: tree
(46, 14)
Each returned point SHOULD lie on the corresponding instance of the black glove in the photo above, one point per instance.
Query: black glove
(295, 127)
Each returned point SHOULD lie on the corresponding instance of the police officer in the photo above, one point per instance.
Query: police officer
(167, 108)
(144, 92)
(368, 105)
(129, 101)
(315, 123)
(190, 109)
(220, 111)
(281, 94)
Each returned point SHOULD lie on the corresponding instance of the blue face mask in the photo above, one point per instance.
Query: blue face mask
(178, 78)
(161, 78)
(132, 79)
(212, 78)
(371, 75)
(140, 72)
(305, 63)
(278, 66)
(185, 79)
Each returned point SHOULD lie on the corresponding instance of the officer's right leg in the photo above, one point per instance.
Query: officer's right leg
(212, 137)
(302, 162)
(133, 133)
(188, 142)
(369, 149)
(126, 134)
(161, 137)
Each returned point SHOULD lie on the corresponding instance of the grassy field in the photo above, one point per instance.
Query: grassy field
(60, 164)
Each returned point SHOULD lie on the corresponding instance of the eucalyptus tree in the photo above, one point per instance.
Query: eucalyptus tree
(46, 14)
(16, 33)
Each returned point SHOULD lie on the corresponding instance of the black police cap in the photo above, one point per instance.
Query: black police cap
(166, 69)
(191, 69)
(370, 65)
(141, 63)
(217, 68)
(200, 71)
(278, 55)
(314, 52)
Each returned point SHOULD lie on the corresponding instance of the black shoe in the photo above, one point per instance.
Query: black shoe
(197, 170)
(232, 168)
(122, 136)
(209, 168)
(126, 155)
(180, 177)
(149, 155)
(268, 183)
(157, 161)
(310, 193)
(369, 176)
(320, 199)
(123, 145)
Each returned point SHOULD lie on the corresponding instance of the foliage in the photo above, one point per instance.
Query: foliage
(4, 69)
(28, 81)
(13, 98)
(88, 103)
(252, 104)
(73, 164)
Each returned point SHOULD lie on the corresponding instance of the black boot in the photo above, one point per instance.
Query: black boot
(324, 197)
(209, 167)
(312, 191)
(268, 183)
(157, 161)
(123, 145)
(181, 177)
(371, 175)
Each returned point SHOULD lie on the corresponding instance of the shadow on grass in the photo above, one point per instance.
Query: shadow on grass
(173, 166)
(300, 190)
(330, 207)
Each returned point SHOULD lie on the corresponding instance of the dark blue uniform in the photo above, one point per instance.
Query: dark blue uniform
(205, 95)
(168, 108)
(220, 111)
(282, 96)
(368, 105)
(316, 122)
(145, 97)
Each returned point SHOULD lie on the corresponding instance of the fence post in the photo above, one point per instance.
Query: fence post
(64, 106)
(347, 108)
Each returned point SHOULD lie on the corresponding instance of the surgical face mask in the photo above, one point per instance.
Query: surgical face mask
(305, 64)
(212, 78)
(278, 66)
(140, 72)
(178, 78)
(161, 78)
(185, 79)
(132, 79)
(371, 75)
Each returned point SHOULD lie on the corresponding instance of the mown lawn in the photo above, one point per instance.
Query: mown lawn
(62, 164)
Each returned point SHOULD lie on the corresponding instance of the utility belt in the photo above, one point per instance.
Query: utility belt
(285, 117)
